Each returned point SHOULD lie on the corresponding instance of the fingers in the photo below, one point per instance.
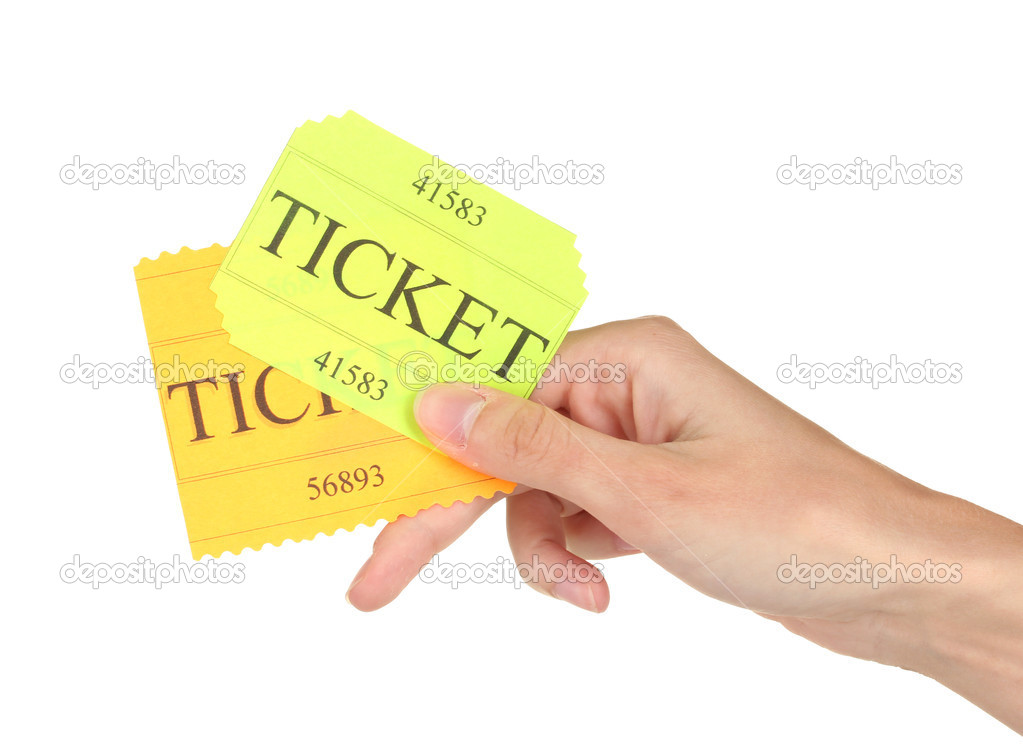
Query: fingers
(588, 538)
(525, 442)
(405, 545)
(598, 398)
(622, 347)
(537, 539)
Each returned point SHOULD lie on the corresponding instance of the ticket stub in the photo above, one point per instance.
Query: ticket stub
(368, 270)
(259, 456)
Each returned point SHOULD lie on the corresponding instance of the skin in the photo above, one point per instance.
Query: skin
(720, 484)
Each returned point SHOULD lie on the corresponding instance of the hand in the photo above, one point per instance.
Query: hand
(722, 485)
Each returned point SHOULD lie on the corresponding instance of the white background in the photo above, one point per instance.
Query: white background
(691, 109)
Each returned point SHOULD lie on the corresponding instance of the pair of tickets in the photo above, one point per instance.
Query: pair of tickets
(287, 364)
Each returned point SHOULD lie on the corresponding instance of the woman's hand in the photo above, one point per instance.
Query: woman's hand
(724, 486)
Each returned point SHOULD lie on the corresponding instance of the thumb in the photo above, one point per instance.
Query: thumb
(523, 441)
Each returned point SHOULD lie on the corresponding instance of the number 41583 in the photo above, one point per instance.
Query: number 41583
(366, 383)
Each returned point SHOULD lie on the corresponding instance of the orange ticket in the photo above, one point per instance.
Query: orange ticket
(260, 457)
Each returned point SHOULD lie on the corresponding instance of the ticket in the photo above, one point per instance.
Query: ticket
(369, 269)
(259, 456)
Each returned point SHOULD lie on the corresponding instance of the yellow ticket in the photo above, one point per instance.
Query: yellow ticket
(368, 269)
(259, 456)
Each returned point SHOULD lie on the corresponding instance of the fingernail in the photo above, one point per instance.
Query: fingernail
(355, 582)
(447, 412)
(623, 546)
(578, 593)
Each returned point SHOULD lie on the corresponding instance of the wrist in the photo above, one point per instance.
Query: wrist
(968, 634)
